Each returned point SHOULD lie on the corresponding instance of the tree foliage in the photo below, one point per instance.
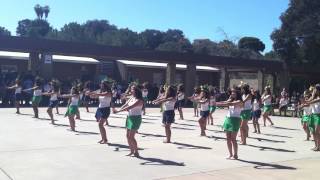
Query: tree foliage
(33, 28)
(4, 32)
(298, 39)
(251, 43)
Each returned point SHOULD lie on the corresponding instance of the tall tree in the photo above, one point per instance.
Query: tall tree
(33, 28)
(38, 10)
(4, 32)
(251, 43)
(46, 10)
(151, 38)
(298, 39)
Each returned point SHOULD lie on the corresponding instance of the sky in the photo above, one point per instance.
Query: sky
(198, 19)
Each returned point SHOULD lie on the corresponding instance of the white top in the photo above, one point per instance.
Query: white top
(315, 108)
(104, 101)
(204, 106)
(18, 90)
(307, 110)
(234, 111)
(180, 96)
(81, 95)
(54, 97)
(114, 93)
(283, 101)
(267, 101)
(212, 101)
(37, 92)
(136, 111)
(169, 105)
(74, 101)
(256, 105)
(247, 104)
(144, 93)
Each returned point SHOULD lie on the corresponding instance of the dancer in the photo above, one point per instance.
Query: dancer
(245, 113)
(144, 96)
(314, 124)
(86, 98)
(54, 93)
(283, 103)
(161, 94)
(306, 118)
(232, 121)
(195, 95)
(37, 95)
(180, 100)
(203, 100)
(73, 106)
(103, 110)
(168, 114)
(17, 94)
(212, 105)
(134, 107)
(256, 110)
(81, 94)
(267, 107)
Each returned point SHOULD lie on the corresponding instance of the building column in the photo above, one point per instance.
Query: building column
(46, 65)
(34, 63)
(260, 77)
(190, 81)
(170, 73)
(223, 79)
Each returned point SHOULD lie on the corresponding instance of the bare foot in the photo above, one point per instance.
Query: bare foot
(166, 141)
(136, 154)
(229, 157)
(130, 154)
(235, 156)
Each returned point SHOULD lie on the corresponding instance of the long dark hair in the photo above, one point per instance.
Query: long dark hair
(238, 95)
(180, 88)
(137, 92)
(105, 87)
(161, 89)
(205, 94)
(170, 92)
(245, 88)
(256, 96)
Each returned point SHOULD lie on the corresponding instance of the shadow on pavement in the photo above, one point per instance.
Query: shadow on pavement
(263, 148)
(189, 146)
(117, 147)
(275, 135)
(182, 128)
(261, 165)
(151, 135)
(268, 140)
(161, 162)
(291, 129)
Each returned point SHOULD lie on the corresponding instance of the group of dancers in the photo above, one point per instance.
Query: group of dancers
(244, 103)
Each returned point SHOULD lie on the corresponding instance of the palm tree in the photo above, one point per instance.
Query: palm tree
(46, 10)
(38, 10)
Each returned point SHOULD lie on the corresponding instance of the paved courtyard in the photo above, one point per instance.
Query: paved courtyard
(33, 149)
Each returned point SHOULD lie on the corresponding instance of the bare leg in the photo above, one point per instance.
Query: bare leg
(102, 131)
(229, 144)
(49, 111)
(234, 144)
(180, 113)
(168, 132)
(18, 107)
(129, 143)
(72, 123)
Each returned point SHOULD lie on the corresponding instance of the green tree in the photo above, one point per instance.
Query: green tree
(4, 32)
(251, 43)
(298, 39)
(151, 38)
(33, 28)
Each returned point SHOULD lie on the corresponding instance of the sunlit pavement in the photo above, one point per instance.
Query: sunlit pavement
(33, 149)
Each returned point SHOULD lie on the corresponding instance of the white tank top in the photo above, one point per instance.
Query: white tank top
(136, 111)
(256, 105)
(54, 97)
(18, 90)
(104, 101)
(234, 111)
(267, 101)
(37, 92)
(180, 96)
(74, 101)
(307, 110)
(247, 104)
(315, 108)
(169, 105)
(212, 101)
(144, 93)
(204, 106)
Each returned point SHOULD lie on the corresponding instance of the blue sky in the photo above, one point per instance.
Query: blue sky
(197, 18)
